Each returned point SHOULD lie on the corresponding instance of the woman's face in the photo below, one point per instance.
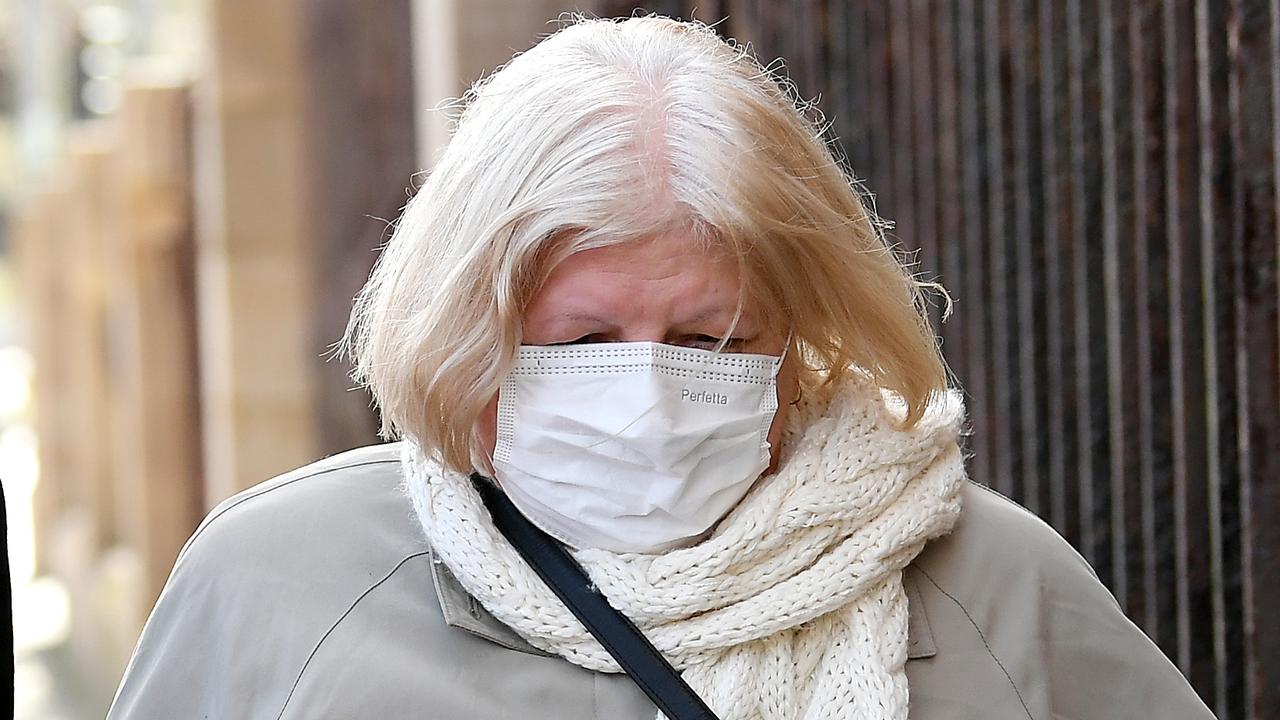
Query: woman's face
(668, 289)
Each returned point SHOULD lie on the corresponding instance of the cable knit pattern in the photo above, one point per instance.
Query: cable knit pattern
(794, 606)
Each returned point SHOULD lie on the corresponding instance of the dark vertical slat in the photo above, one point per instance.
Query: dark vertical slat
(1008, 242)
(1053, 65)
(1000, 371)
(923, 153)
(1260, 345)
(1078, 254)
(879, 101)
(1151, 339)
(711, 12)
(1137, 107)
(1126, 448)
(902, 177)
(1225, 22)
(1037, 449)
(780, 32)
(1159, 519)
(950, 230)
(809, 36)
(1117, 327)
(1026, 245)
(1068, 243)
(624, 8)
(1206, 241)
(860, 139)
(1094, 425)
(743, 21)
(1174, 30)
(1195, 651)
(1110, 233)
(836, 104)
(974, 284)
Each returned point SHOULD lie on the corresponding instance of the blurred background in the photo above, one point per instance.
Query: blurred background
(191, 192)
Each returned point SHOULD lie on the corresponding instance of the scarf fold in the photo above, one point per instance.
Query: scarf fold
(794, 606)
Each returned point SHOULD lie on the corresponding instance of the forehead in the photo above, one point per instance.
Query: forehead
(673, 276)
(677, 254)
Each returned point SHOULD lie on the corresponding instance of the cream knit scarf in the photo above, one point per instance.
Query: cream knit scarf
(793, 607)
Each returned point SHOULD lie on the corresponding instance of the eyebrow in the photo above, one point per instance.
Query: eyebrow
(581, 317)
(704, 316)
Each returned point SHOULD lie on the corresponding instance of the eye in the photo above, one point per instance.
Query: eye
(589, 338)
(711, 342)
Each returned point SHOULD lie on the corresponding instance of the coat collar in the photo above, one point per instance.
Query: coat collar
(464, 612)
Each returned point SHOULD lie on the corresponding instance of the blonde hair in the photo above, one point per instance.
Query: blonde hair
(608, 132)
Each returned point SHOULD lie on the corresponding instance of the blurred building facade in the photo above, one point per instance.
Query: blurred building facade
(203, 187)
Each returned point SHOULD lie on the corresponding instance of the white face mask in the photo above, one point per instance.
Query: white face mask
(632, 447)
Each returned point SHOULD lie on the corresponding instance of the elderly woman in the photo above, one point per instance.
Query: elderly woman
(639, 315)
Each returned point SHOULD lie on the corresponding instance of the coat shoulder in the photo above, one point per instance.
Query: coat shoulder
(319, 487)
(995, 541)
(1021, 618)
(262, 581)
(348, 507)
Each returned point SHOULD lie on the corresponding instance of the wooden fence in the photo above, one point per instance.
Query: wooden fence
(1096, 183)
(106, 253)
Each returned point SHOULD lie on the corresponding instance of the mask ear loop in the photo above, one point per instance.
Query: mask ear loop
(786, 348)
(782, 359)
(777, 365)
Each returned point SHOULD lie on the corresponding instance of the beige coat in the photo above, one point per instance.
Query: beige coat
(315, 595)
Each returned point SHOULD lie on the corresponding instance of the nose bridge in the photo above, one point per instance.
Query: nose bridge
(645, 327)
(643, 315)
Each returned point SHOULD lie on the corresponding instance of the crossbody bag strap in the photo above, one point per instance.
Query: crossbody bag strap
(624, 641)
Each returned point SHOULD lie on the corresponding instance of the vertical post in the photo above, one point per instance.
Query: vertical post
(155, 407)
(359, 79)
(455, 43)
(254, 258)
(36, 241)
(84, 417)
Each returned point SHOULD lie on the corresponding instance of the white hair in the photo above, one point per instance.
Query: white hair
(608, 132)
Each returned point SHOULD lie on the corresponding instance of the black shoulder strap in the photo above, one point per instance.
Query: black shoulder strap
(615, 631)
